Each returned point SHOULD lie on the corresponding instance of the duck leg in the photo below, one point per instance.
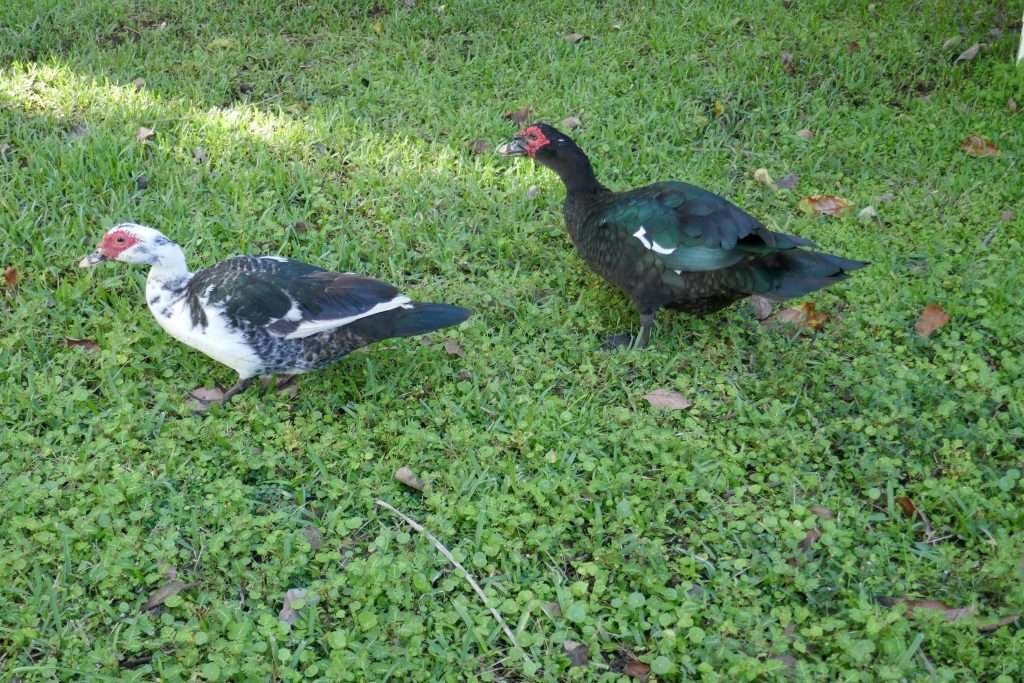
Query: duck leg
(241, 385)
(646, 324)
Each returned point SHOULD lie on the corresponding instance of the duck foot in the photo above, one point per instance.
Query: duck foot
(282, 384)
(617, 341)
(640, 341)
(202, 398)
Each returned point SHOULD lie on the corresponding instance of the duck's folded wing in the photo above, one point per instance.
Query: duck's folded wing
(291, 299)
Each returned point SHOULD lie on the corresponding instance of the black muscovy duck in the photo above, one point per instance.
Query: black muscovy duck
(673, 244)
(267, 315)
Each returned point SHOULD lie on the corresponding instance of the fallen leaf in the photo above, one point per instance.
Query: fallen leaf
(301, 226)
(294, 600)
(634, 668)
(171, 573)
(932, 318)
(141, 182)
(868, 213)
(762, 306)
(852, 46)
(1011, 104)
(532, 192)
(914, 606)
(579, 654)
(202, 398)
(406, 476)
(978, 146)
(479, 146)
(519, 116)
(787, 182)
(160, 595)
(718, 108)
(571, 122)
(1007, 215)
(11, 277)
(552, 609)
(998, 623)
(143, 133)
(907, 505)
(968, 54)
(950, 42)
(808, 540)
(805, 133)
(823, 512)
(787, 63)
(199, 155)
(667, 399)
(804, 315)
(454, 348)
(84, 344)
(139, 83)
(313, 535)
(827, 205)
(761, 175)
(575, 38)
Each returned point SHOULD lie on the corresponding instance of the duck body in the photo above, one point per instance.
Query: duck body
(672, 244)
(269, 315)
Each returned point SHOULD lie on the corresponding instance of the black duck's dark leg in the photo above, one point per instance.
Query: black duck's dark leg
(239, 386)
(646, 323)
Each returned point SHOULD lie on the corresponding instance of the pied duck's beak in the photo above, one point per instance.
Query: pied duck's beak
(92, 259)
(516, 147)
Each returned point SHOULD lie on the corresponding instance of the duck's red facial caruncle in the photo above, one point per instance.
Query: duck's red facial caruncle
(117, 241)
(529, 141)
(535, 139)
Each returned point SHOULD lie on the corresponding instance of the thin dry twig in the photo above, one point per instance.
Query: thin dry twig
(458, 565)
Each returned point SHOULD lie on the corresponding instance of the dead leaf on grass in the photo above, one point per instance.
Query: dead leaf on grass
(1012, 106)
(868, 213)
(907, 505)
(805, 133)
(84, 344)
(201, 398)
(787, 182)
(932, 318)
(143, 134)
(950, 42)
(139, 83)
(574, 38)
(11, 277)
(634, 668)
(823, 512)
(762, 306)
(787, 63)
(199, 155)
(552, 609)
(454, 348)
(294, 600)
(1007, 215)
(666, 399)
(479, 146)
(141, 182)
(579, 654)
(519, 116)
(852, 46)
(314, 536)
(762, 176)
(571, 122)
(912, 607)
(824, 204)
(808, 540)
(406, 476)
(968, 54)
(998, 623)
(979, 146)
(804, 315)
(160, 595)
(718, 109)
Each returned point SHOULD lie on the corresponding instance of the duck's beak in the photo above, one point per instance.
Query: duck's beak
(92, 259)
(516, 147)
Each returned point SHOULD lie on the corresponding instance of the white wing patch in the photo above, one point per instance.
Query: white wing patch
(641, 235)
(314, 326)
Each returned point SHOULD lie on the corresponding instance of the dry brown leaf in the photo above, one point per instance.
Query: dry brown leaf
(808, 540)
(667, 399)
(139, 83)
(978, 146)
(762, 176)
(823, 512)
(160, 595)
(907, 505)
(571, 122)
(406, 476)
(968, 54)
(454, 348)
(314, 536)
(998, 623)
(914, 606)
(209, 395)
(1011, 105)
(805, 133)
(852, 46)
(85, 344)
(718, 109)
(787, 63)
(479, 146)
(787, 182)
(762, 306)
(826, 205)
(932, 318)
(575, 38)
(634, 668)
(143, 133)
(519, 116)
(11, 277)
(579, 654)
(288, 613)
(804, 315)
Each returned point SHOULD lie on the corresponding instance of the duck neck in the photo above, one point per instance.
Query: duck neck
(574, 168)
(170, 268)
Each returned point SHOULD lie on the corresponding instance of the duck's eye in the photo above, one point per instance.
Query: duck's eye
(120, 240)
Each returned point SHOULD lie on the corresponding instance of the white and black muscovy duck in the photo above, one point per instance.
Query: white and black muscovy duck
(267, 315)
(673, 244)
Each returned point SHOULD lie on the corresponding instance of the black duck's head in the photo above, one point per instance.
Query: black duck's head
(541, 142)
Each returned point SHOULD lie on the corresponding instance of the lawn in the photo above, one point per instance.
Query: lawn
(836, 504)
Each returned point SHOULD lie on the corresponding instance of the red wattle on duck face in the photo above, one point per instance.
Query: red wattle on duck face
(535, 139)
(116, 241)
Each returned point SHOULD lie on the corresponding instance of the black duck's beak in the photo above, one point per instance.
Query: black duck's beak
(516, 147)
(92, 259)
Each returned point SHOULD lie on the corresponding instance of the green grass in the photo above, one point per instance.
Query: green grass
(673, 536)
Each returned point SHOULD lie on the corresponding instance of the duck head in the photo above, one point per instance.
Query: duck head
(133, 243)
